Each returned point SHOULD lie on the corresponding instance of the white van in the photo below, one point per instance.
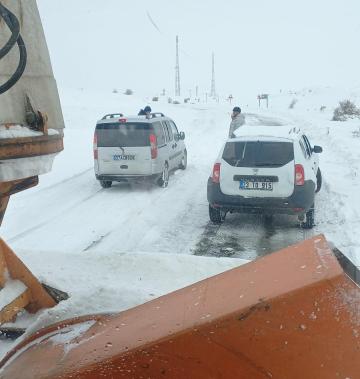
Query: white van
(136, 148)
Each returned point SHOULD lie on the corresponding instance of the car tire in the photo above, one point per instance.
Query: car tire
(215, 215)
(318, 181)
(163, 181)
(105, 183)
(268, 219)
(309, 221)
(183, 163)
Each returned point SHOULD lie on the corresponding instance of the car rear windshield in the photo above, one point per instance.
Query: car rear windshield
(123, 134)
(258, 153)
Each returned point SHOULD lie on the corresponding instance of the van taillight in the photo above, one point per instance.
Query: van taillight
(216, 173)
(153, 146)
(299, 175)
(95, 146)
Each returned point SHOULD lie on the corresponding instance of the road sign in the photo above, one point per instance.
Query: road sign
(263, 96)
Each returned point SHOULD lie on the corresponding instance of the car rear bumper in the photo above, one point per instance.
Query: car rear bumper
(127, 178)
(298, 203)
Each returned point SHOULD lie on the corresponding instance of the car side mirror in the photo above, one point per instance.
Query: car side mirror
(182, 135)
(317, 149)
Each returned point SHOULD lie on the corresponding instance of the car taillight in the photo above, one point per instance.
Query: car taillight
(153, 146)
(95, 146)
(299, 175)
(216, 173)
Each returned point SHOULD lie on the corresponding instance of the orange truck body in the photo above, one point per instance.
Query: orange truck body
(293, 314)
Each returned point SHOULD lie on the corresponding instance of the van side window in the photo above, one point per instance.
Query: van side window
(159, 132)
(167, 136)
(168, 131)
(174, 129)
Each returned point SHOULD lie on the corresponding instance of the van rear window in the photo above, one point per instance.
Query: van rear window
(123, 134)
(258, 153)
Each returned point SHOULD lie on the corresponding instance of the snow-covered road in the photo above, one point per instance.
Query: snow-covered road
(78, 215)
(71, 212)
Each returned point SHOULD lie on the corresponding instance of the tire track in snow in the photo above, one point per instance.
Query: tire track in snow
(249, 236)
(50, 219)
(142, 219)
(64, 181)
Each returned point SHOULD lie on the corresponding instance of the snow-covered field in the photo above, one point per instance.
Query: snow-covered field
(111, 249)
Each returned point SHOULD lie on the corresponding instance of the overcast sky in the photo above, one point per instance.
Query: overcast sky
(259, 45)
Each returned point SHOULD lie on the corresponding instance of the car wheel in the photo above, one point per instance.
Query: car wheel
(268, 219)
(183, 163)
(216, 216)
(309, 221)
(164, 178)
(105, 183)
(318, 180)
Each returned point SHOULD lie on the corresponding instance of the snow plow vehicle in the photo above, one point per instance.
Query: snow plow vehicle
(291, 314)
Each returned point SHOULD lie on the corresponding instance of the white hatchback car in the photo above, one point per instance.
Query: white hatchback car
(268, 170)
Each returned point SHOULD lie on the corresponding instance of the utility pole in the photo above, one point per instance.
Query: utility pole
(213, 90)
(177, 69)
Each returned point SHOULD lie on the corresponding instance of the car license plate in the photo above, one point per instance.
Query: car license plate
(254, 185)
(124, 157)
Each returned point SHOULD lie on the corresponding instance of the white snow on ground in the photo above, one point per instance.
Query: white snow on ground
(112, 249)
(338, 204)
(10, 292)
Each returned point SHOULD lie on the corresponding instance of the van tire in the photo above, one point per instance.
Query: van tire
(215, 215)
(163, 181)
(318, 181)
(183, 163)
(105, 183)
(309, 221)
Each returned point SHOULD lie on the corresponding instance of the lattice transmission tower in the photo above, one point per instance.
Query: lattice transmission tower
(177, 69)
(213, 90)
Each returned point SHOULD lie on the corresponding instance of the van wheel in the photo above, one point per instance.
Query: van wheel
(183, 163)
(215, 215)
(268, 219)
(309, 219)
(164, 178)
(105, 183)
(318, 181)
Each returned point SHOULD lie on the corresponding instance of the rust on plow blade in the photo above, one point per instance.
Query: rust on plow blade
(293, 314)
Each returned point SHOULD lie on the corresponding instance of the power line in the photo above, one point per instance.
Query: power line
(153, 22)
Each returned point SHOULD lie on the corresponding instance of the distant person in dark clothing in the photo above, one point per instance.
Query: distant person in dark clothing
(145, 112)
(237, 120)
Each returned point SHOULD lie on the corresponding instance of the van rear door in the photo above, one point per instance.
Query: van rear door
(124, 148)
(258, 168)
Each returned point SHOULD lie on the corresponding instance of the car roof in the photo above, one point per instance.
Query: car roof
(269, 133)
(116, 117)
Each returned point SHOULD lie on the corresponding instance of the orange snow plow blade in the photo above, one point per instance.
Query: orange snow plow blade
(293, 314)
(19, 287)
